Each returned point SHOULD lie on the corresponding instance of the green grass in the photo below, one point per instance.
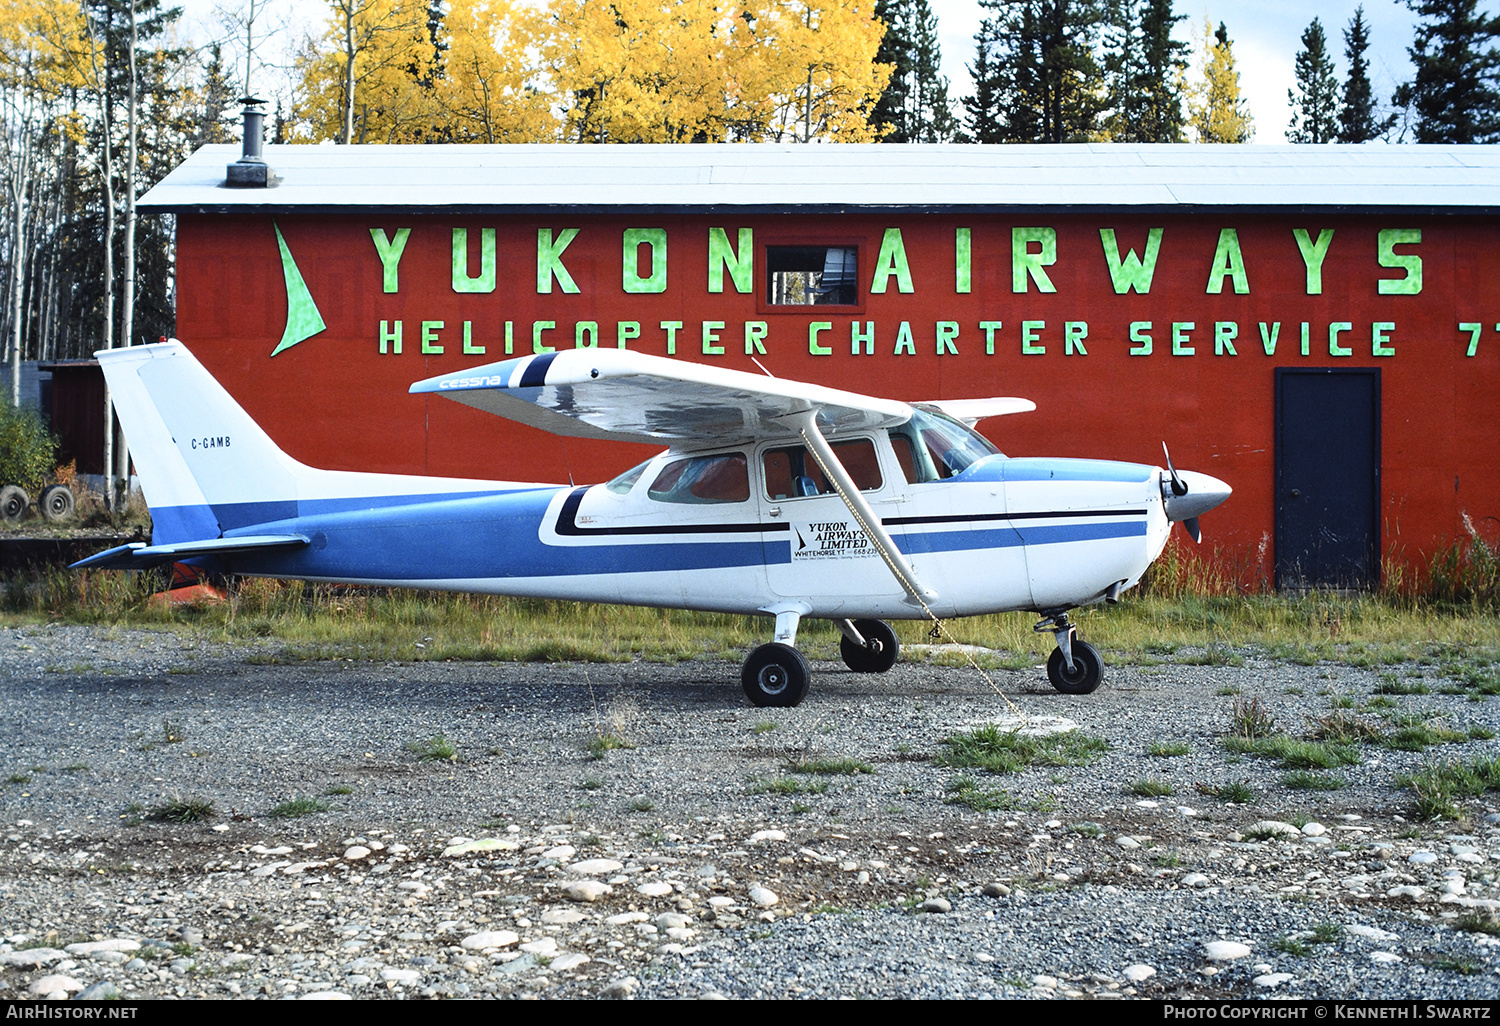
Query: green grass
(1150, 787)
(964, 790)
(1163, 750)
(1401, 687)
(1293, 753)
(763, 727)
(1438, 786)
(1238, 792)
(334, 790)
(1306, 780)
(182, 810)
(1345, 727)
(294, 807)
(829, 767)
(173, 731)
(19, 778)
(641, 805)
(786, 785)
(1478, 922)
(1185, 606)
(600, 744)
(1416, 734)
(990, 748)
(436, 748)
(1301, 944)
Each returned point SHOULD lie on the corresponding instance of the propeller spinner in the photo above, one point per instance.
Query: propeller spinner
(1187, 495)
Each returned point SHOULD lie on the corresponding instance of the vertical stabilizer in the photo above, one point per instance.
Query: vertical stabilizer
(204, 465)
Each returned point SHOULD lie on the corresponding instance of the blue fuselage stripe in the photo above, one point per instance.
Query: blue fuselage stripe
(499, 536)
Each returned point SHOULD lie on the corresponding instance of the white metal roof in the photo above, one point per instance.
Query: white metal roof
(800, 178)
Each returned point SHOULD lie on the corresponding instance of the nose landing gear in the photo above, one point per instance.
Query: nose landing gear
(1074, 667)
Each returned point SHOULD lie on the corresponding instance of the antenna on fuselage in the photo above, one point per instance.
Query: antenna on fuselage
(762, 367)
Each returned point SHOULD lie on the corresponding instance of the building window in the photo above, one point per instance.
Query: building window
(812, 275)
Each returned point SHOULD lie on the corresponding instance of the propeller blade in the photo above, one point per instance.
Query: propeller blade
(1193, 530)
(1179, 486)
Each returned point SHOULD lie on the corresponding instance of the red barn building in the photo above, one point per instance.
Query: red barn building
(1319, 326)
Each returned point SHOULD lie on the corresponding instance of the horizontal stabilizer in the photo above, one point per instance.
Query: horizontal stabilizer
(140, 556)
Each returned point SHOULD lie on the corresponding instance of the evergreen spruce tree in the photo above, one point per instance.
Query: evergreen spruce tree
(1314, 101)
(1453, 96)
(982, 108)
(914, 107)
(1357, 120)
(1144, 66)
(1043, 81)
(217, 96)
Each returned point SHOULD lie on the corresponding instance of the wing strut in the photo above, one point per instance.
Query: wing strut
(806, 423)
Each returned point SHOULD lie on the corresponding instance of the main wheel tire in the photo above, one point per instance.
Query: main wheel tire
(14, 502)
(1088, 670)
(775, 675)
(878, 653)
(57, 502)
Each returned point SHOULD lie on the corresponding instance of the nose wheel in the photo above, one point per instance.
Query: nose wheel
(1074, 668)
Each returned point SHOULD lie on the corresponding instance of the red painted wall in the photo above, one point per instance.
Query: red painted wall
(335, 400)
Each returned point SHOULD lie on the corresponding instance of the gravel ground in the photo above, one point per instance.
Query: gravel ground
(684, 859)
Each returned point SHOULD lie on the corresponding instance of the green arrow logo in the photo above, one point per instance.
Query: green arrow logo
(302, 318)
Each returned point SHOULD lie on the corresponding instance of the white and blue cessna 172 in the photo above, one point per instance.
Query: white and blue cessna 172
(775, 497)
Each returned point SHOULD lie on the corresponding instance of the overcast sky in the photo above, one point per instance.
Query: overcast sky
(1266, 33)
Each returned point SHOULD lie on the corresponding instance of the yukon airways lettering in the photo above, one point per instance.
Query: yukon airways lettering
(831, 540)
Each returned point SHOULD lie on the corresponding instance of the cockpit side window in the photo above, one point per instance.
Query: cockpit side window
(792, 473)
(723, 477)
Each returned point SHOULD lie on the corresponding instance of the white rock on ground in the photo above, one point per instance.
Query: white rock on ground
(1270, 980)
(586, 890)
(491, 939)
(655, 889)
(1225, 951)
(595, 867)
(483, 844)
(51, 984)
(763, 897)
(1139, 972)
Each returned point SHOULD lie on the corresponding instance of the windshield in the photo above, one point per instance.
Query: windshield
(933, 446)
(626, 481)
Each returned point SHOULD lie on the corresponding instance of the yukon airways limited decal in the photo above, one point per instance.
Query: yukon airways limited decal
(830, 539)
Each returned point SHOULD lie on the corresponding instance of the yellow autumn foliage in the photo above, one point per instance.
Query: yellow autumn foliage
(44, 46)
(1216, 109)
(594, 71)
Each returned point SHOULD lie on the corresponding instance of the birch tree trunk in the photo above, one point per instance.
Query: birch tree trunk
(127, 300)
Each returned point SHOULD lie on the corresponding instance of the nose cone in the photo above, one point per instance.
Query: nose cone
(1203, 494)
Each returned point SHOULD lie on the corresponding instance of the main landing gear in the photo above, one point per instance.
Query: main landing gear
(1074, 667)
(776, 674)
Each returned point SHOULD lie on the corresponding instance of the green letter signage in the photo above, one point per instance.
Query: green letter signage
(630, 278)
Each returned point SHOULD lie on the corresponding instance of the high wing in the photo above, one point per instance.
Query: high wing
(636, 397)
(972, 411)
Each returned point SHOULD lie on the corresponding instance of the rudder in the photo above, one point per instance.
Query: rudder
(205, 466)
